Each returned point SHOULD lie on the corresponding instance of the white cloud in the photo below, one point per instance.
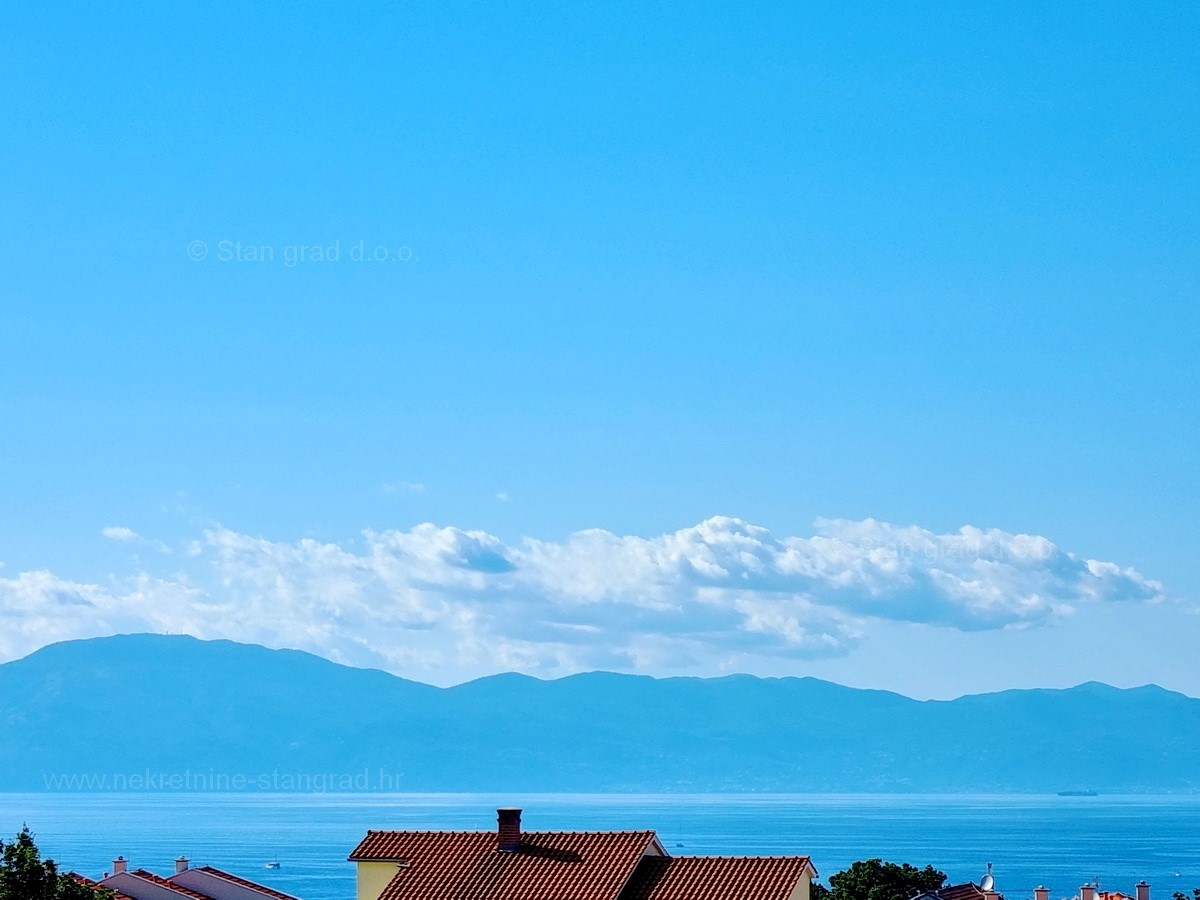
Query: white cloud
(125, 535)
(122, 534)
(39, 608)
(403, 487)
(441, 601)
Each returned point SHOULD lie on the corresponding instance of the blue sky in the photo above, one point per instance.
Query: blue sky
(933, 265)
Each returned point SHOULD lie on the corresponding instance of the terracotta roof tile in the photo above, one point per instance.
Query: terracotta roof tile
(550, 865)
(968, 891)
(716, 878)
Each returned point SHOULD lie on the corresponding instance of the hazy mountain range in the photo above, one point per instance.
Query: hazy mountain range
(158, 704)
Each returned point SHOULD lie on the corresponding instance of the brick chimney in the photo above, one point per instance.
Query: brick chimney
(508, 830)
(1087, 892)
(120, 865)
(1041, 893)
(1143, 891)
(181, 865)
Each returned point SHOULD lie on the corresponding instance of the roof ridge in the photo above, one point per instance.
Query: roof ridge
(525, 832)
(397, 844)
(742, 856)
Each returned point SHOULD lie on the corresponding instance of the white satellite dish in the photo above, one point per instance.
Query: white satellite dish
(987, 882)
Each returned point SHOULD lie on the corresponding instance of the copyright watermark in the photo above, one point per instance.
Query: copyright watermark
(291, 255)
(213, 781)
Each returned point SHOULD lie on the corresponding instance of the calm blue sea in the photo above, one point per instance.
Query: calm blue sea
(1057, 841)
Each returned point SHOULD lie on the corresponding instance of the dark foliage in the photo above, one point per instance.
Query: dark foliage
(874, 879)
(24, 875)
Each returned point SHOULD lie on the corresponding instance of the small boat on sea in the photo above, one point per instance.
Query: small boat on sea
(273, 864)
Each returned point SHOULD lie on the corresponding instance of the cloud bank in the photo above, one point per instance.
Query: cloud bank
(435, 601)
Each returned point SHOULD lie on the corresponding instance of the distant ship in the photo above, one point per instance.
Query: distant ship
(1078, 794)
(273, 864)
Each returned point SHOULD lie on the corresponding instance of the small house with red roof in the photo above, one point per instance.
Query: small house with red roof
(512, 864)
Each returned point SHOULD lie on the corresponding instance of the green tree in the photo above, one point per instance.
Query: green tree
(874, 879)
(1180, 895)
(24, 875)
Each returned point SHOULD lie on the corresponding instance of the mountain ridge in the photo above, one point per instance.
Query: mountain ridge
(174, 703)
(226, 642)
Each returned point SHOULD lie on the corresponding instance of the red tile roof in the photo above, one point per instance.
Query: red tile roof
(243, 882)
(716, 878)
(968, 891)
(162, 882)
(466, 865)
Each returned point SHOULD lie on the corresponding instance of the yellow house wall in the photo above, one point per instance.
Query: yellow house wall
(799, 892)
(373, 877)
